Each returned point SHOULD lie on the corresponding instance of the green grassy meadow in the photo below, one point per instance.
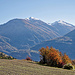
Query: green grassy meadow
(21, 67)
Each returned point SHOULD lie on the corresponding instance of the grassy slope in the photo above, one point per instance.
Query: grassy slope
(20, 67)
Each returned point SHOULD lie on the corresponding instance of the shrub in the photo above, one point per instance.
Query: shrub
(50, 56)
(4, 56)
(73, 62)
(68, 66)
(60, 65)
(66, 59)
(28, 58)
(53, 57)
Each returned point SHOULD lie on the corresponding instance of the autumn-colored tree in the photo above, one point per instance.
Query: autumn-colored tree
(53, 57)
(66, 59)
(50, 56)
(43, 53)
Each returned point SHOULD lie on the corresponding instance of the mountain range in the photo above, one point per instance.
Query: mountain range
(18, 37)
(65, 44)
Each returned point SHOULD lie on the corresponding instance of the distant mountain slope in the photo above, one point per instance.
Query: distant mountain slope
(19, 35)
(62, 27)
(22, 34)
(26, 32)
(65, 44)
(5, 46)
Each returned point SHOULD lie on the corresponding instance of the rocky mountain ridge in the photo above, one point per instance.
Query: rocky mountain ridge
(18, 36)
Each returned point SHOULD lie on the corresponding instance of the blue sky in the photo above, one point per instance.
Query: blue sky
(45, 10)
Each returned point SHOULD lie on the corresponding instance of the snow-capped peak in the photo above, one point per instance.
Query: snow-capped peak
(65, 23)
(31, 18)
(62, 22)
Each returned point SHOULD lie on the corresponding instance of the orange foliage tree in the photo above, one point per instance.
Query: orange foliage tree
(53, 57)
(43, 53)
(66, 59)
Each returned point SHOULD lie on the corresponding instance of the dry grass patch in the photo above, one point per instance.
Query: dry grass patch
(74, 66)
(20, 67)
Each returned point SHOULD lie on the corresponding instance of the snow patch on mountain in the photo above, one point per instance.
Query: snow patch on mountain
(62, 23)
(31, 18)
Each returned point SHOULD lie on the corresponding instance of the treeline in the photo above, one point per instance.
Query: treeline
(4, 56)
(53, 57)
